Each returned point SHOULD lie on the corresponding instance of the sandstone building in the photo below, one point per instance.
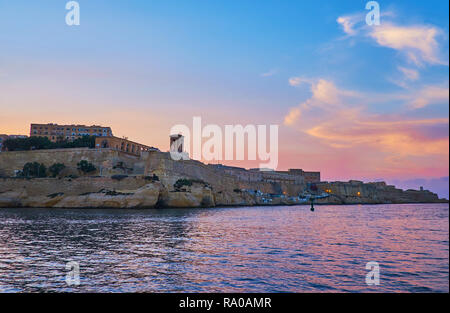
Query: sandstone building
(55, 132)
(122, 144)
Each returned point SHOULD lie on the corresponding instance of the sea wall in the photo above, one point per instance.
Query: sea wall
(112, 162)
(169, 170)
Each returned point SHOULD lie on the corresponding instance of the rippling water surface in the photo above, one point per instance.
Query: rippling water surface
(254, 249)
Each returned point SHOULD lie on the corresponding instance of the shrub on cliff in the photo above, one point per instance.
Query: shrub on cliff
(188, 182)
(56, 169)
(182, 182)
(152, 178)
(86, 167)
(34, 169)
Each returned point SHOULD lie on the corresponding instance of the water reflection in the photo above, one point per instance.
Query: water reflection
(271, 249)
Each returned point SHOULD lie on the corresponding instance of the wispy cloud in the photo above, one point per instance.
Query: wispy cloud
(407, 76)
(325, 95)
(429, 95)
(349, 23)
(417, 42)
(269, 73)
(297, 81)
(409, 73)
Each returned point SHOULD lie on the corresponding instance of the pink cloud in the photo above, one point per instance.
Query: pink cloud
(428, 95)
(417, 42)
(349, 23)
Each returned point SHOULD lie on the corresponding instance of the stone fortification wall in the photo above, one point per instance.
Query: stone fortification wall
(222, 187)
(107, 161)
(161, 164)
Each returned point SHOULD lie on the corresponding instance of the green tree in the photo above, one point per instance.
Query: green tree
(56, 169)
(34, 169)
(31, 143)
(38, 143)
(83, 142)
(86, 167)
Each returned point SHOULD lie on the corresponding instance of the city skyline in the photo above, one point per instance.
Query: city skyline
(351, 100)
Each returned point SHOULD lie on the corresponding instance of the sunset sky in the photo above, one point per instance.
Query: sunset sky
(351, 100)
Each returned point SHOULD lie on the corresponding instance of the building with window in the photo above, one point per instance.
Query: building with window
(310, 177)
(55, 132)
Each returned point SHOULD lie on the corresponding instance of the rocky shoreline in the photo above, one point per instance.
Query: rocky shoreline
(154, 180)
(141, 192)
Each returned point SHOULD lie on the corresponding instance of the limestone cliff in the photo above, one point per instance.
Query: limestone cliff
(145, 192)
(77, 193)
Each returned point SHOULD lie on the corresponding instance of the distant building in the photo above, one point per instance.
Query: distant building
(310, 177)
(4, 137)
(293, 176)
(55, 132)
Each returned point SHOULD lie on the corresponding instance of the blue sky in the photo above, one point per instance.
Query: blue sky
(142, 66)
(232, 41)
